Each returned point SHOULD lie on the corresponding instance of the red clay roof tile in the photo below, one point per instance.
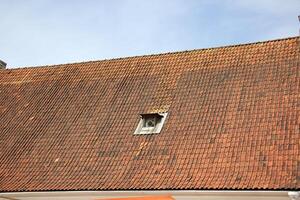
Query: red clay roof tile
(233, 121)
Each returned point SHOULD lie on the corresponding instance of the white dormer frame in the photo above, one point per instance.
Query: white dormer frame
(159, 120)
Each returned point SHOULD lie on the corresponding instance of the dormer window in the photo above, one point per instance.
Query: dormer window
(151, 123)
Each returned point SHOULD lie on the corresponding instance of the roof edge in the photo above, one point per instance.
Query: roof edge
(155, 54)
(152, 189)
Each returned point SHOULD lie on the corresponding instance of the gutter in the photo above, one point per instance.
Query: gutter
(176, 194)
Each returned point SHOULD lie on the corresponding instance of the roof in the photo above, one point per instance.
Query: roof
(233, 121)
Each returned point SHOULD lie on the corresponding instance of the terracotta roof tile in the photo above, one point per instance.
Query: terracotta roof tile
(233, 121)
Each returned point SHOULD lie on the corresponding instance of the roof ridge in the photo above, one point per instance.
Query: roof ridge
(156, 54)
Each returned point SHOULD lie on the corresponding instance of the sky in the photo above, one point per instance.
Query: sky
(47, 32)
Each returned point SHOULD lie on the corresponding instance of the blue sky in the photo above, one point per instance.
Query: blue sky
(45, 32)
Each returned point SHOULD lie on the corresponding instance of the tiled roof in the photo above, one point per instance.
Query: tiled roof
(233, 121)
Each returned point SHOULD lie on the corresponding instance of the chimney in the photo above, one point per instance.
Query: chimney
(2, 65)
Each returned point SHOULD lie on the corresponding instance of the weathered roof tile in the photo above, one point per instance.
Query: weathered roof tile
(233, 121)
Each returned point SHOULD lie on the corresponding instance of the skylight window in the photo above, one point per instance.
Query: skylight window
(151, 123)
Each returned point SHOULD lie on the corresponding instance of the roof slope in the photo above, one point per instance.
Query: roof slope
(233, 121)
